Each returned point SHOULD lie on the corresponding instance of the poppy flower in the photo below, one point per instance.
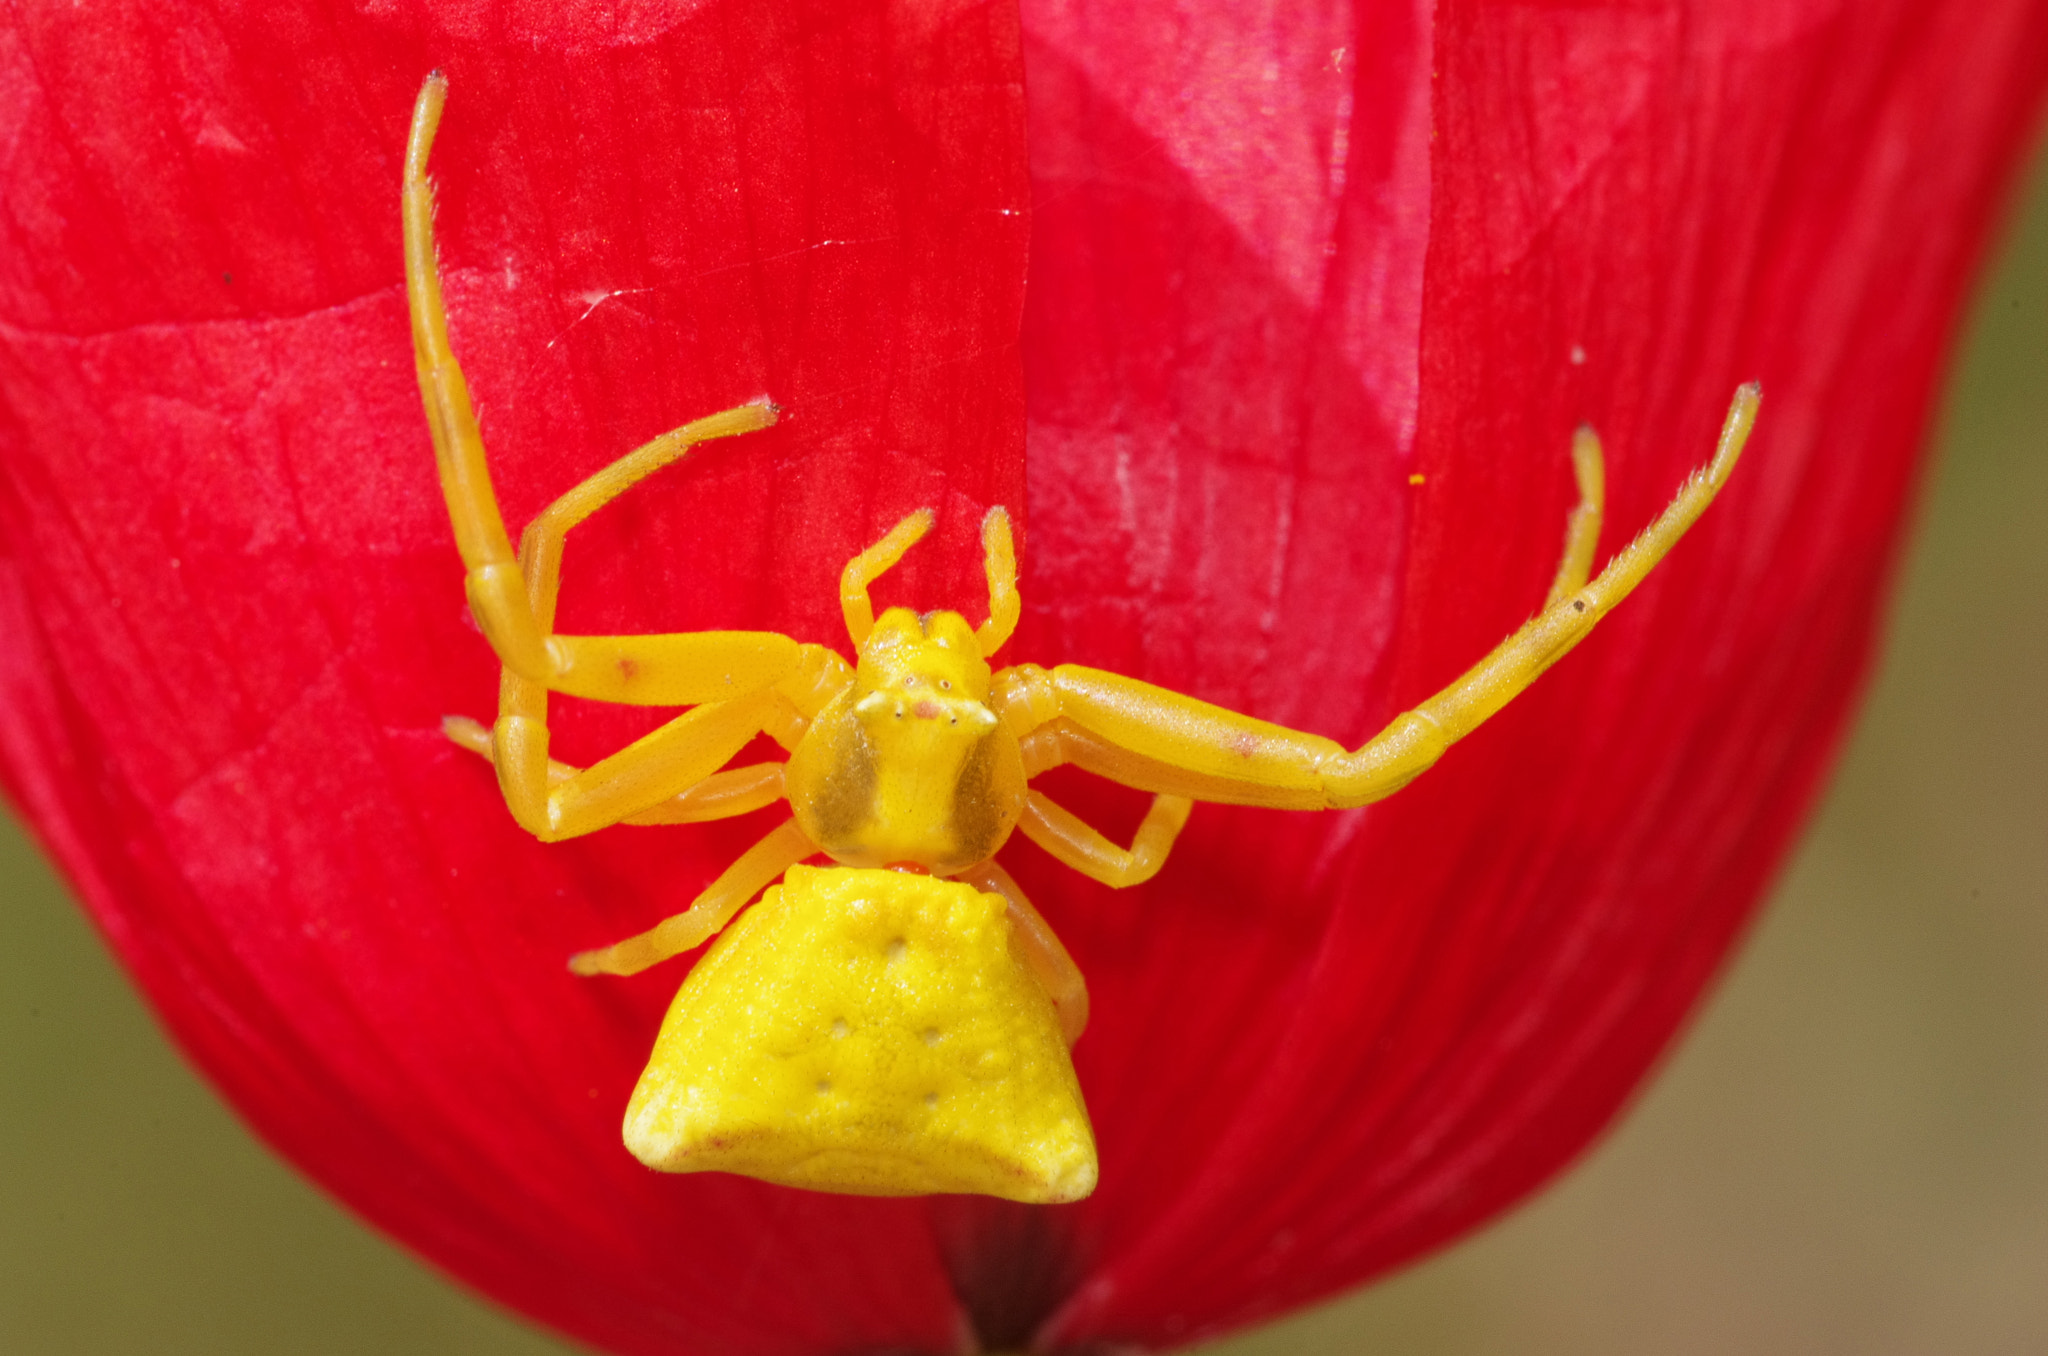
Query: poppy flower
(1316, 296)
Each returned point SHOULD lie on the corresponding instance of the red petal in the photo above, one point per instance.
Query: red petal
(1280, 263)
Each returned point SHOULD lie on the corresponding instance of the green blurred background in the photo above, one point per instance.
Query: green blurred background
(1847, 1153)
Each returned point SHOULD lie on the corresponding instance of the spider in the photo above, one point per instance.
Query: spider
(918, 756)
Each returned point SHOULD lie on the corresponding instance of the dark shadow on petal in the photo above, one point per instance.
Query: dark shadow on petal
(1010, 1265)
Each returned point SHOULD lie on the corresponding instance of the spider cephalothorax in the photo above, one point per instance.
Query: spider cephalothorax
(918, 757)
(909, 766)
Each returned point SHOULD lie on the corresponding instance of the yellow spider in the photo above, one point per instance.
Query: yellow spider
(898, 1023)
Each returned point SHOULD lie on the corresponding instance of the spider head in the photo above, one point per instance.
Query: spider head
(924, 668)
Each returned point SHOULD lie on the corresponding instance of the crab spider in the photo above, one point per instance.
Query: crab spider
(918, 755)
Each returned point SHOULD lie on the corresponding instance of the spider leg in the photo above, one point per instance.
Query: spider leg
(692, 668)
(1038, 947)
(675, 669)
(999, 561)
(819, 676)
(513, 599)
(1160, 741)
(869, 566)
(722, 795)
(1066, 836)
(999, 557)
(652, 769)
(1582, 524)
(515, 608)
(753, 872)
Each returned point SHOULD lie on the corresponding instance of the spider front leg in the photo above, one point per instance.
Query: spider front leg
(721, 673)
(515, 607)
(1160, 741)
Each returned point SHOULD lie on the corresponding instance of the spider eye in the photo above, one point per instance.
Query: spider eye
(910, 680)
(945, 685)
